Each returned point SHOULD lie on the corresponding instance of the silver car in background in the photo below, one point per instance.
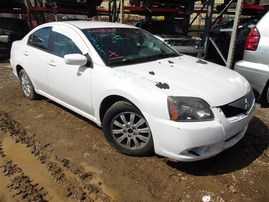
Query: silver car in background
(255, 64)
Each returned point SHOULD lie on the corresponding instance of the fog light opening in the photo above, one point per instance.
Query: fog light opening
(194, 153)
(190, 152)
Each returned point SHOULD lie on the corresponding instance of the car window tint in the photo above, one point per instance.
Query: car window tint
(64, 45)
(40, 38)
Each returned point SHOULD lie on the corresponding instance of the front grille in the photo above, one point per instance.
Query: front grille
(231, 111)
(240, 106)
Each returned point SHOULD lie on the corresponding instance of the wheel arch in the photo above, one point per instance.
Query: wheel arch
(18, 69)
(109, 101)
(124, 107)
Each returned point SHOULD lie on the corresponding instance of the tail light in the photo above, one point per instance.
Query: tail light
(253, 40)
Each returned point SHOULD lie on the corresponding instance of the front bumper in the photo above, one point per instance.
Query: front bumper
(192, 141)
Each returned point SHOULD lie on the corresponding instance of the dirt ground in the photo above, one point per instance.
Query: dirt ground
(48, 153)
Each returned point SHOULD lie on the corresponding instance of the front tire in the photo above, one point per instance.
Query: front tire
(127, 130)
(27, 86)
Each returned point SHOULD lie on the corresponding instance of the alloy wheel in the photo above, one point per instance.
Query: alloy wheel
(130, 131)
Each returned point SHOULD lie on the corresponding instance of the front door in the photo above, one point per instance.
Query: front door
(70, 84)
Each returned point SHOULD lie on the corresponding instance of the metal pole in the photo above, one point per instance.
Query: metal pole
(210, 7)
(217, 49)
(110, 11)
(121, 10)
(27, 4)
(114, 11)
(204, 5)
(233, 34)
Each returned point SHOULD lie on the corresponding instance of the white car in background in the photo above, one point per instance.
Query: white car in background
(145, 96)
(255, 64)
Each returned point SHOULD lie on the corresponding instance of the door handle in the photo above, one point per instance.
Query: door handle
(26, 53)
(52, 64)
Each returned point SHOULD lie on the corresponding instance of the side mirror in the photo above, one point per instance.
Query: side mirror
(75, 59)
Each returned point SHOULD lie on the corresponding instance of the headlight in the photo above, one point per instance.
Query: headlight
(189, 109)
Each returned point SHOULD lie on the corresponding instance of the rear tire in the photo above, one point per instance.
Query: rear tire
(27, 86)
(127, 130)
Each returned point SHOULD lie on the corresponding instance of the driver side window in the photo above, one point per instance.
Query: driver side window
(63, 45)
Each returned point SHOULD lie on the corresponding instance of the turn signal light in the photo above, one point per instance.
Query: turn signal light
(172, 110)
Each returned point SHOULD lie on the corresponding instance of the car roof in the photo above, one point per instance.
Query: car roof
(84, 24)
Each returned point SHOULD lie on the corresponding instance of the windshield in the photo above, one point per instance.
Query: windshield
(119, 46)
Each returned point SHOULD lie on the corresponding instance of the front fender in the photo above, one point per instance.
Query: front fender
(144, 97)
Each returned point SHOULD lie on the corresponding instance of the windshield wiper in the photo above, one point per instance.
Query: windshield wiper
(162, 56)
(125, 61)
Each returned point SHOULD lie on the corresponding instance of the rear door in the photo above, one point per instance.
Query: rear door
(34, 57)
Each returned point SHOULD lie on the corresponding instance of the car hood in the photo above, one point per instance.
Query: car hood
(189, 76)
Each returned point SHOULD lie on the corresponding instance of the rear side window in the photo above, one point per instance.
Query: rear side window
(63, 45)
(40, 38)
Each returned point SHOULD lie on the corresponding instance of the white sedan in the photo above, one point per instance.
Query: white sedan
(145, 96)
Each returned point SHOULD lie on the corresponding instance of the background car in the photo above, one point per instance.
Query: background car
(221, 35)
(255, 64)
(11, 29)
(145, 95)
(171, 32)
